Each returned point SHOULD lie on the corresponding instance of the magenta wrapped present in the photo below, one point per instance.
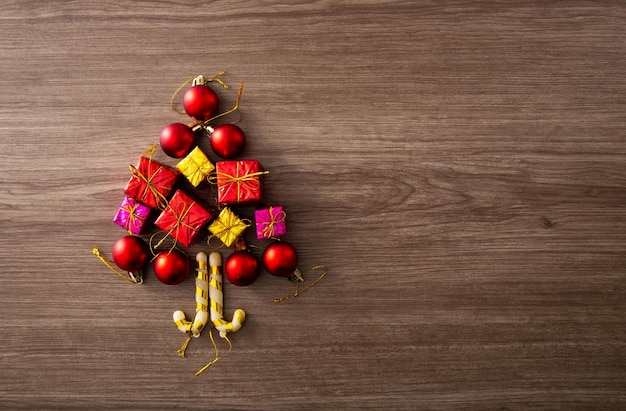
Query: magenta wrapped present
(270, 222)
(132, 216)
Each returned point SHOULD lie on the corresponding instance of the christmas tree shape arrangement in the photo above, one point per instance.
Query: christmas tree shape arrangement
(169, 205)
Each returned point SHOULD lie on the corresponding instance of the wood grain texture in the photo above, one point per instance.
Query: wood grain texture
(460, 167)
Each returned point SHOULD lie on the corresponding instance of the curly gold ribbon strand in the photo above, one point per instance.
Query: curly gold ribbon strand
(298, 291)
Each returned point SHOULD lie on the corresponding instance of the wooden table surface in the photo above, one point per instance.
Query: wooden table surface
(459, 167)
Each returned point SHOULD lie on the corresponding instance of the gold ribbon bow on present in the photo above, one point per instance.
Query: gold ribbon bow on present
(227, 227)
(149, 185)
(249, 181)
(268, 230)
(180, 222)
(133, 218)
(195, 166)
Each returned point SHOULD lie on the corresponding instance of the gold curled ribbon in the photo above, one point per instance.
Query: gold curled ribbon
(298, 291)
(206, 123)
(217, 356)
(96, 252)
(268, 230)
(183, 348)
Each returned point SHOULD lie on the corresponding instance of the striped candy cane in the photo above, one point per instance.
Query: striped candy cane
(202, 305)
(217, 299)
(202, 296)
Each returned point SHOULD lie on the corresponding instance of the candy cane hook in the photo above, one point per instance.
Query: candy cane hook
(217, 299)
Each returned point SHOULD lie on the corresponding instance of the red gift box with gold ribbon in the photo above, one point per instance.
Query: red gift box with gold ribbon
(239, 182)
(183, 218)
(151, 182)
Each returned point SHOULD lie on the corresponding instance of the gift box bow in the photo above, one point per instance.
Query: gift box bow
(228, 227)
(266, 228)
(242, 178)
(158, 189)
(132, 215)
(182, 218)
(196, 166)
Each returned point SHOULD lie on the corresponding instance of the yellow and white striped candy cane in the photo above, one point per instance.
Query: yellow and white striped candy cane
(202, 296)
(193, 329)
(181, 321)
(217, 299)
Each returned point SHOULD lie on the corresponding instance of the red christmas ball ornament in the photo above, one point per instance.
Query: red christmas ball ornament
(228, 140)
(241, 268)
(280, 259)
(171, 267)
(177, 140)
(200, 102)
(130, 253)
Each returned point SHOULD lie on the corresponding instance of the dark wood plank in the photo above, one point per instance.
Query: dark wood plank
(458, 166)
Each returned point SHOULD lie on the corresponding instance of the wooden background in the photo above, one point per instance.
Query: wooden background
(460, 167)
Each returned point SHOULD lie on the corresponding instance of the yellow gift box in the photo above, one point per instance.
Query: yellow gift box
(228, 227)
(196, 166)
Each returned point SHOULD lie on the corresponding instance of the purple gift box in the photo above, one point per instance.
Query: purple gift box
(270, 222)
(132, 216)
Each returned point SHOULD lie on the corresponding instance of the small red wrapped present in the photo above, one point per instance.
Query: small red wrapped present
(239, 182)
(151, 182)
(183, 218)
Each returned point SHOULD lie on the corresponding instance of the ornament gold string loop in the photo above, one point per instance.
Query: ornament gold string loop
(96, 252)
(176, 93)
(154, 247)
(298, 291)
(217, 356)
(150, 151)
(217, 79)
(232, 110)
(211, 246)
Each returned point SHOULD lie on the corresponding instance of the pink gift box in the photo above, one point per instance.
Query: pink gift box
(132, 216)
(270, 222)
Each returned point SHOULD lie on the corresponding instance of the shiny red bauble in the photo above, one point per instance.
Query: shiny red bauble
(241, 268)
(177, 140)
(280, 259)
(130, 253)
(171, 267)
(228, 140)
(200, 102)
